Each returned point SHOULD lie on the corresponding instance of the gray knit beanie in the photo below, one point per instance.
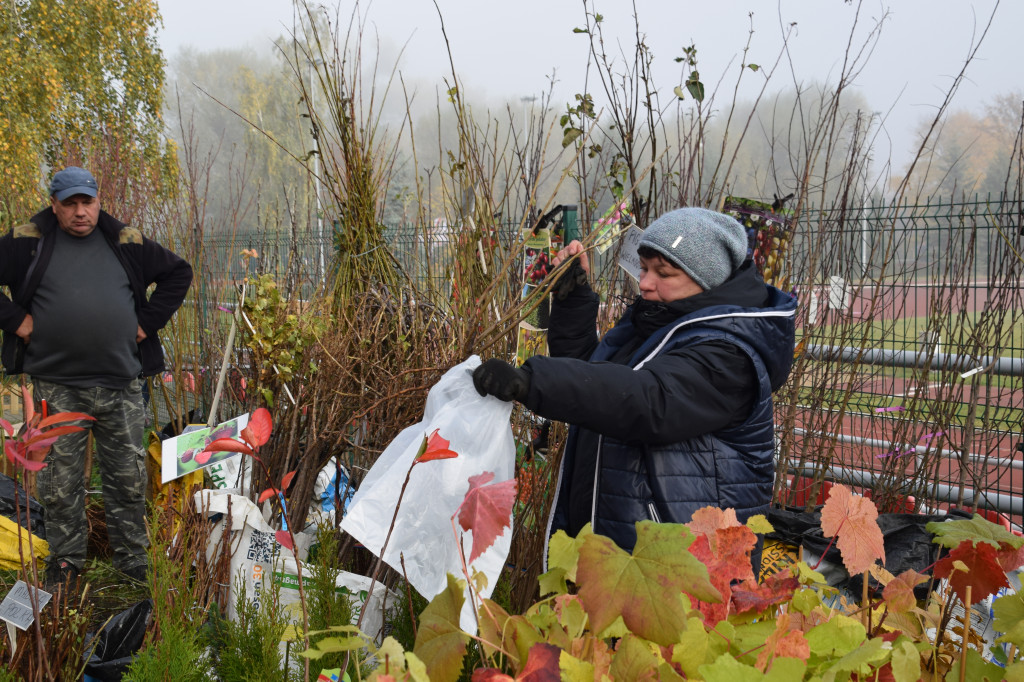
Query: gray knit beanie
(708, 246)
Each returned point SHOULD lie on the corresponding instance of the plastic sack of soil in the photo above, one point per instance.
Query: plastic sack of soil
(478, 429)
(117, 643)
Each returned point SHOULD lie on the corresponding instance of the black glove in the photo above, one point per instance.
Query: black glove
(502, 380)
(573, 277)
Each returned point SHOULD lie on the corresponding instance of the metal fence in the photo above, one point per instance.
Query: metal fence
(911, 318)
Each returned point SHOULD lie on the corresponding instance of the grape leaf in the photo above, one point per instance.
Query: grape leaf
(783, 642)
(1010, 559)
(435, 447)
(981, 571)
(753, 596)
(726, 553)
(541, 664)
(1009, 618)
(950, 534)
(633, 661)
(646, 588)
(257, 432)
(440, 642)
(709, 519)
(486, 510)
(853, 519)
(899, 593)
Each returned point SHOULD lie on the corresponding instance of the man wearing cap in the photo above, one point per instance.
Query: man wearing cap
(671, 411)
(80, 324)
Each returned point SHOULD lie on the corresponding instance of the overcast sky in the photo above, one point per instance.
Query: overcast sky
(507, 50)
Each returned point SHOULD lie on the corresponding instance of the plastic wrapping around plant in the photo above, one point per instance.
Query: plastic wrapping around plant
(478, 429)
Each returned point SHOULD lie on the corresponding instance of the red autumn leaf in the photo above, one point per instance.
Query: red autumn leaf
(39, 443)
(753, 596)
(436, 448)
(286, 480)
(783, 642)
(709, 519)
(16, 453)
(853, 519)
(284, 539)
(30, 406)
(8, 427)
(898, 595)
(62, 417)
(39, 436)
(1010, 559)
(267, 494)
(228, 445)
(983, 574)
(486, 510)
(257, 431)
(541, 664)
(489, 675)
(726, 553)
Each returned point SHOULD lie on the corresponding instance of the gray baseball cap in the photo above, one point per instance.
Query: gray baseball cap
(71, 181)
(707, 245)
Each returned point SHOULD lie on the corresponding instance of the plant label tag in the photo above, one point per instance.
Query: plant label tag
(16, 608)
(628, 258)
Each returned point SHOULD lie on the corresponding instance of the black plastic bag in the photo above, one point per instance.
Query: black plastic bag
(907, 544)
(118, 642)
(8, 486)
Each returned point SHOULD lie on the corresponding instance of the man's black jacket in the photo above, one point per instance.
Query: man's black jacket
(25, 253)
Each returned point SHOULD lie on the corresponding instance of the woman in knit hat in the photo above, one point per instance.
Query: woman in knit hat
(671, 410)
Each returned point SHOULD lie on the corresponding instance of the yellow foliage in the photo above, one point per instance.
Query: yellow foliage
(72, 74)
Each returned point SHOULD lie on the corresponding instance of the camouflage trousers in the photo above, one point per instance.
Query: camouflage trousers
(60, 486)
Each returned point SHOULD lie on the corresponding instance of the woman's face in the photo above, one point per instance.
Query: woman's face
(663, 282)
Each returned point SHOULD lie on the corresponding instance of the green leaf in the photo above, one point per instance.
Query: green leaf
(837, 637)
(564, 551)
(695, 87)
(570, 136)
(758, 523)
(647, 588)
(697, 647)
(553, 582)
(805, 600)
(573, 618)
(977, 669)
(785, 669)
(753, 67)
(1009, 618)
(949, 534)
(440, 643)
(633, 661)
(871, 654)
(417, 669)
(906, 662)
(728, 669)
(580, 30)
(575, 670)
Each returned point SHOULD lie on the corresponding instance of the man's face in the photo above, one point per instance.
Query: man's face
(663, 282)
(78, 214)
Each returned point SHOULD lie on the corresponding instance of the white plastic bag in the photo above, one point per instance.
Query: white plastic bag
(479, 431)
